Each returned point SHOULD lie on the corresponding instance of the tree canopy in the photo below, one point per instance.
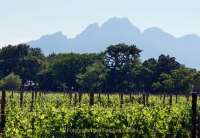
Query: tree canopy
(11, 82)
(117, 69)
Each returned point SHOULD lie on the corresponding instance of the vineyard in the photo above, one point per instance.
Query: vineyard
(71, 115)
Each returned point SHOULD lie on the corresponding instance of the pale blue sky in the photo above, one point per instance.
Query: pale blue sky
(24, 20)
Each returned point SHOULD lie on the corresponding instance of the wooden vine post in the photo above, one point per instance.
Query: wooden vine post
(147, 99)
(132, 99)
(143, 95)
(170, 100)
(164, 98)
(130, 96)
(176, 98)
(108, 97)
(194, 115)
(40, 94)
(70, 97)
(91, 98)
(99, 97)
(3, 116)
(12, 96)
(79, 97)
(121, 100)
(21, 98)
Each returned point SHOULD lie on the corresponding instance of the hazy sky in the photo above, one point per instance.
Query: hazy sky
(24, 20)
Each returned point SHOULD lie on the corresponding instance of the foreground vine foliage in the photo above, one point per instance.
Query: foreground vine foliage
(55, 115)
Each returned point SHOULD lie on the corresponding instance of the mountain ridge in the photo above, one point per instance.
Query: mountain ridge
(153, 41)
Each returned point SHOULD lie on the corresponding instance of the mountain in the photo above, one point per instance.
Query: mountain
(153, 41)
(50, 43)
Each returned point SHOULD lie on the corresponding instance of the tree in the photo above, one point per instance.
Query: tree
(22, 60)
(11, 57)
(31, 64)
(94, 78)
(60, 70)
(165, 84)
(155, 74)
(147, 74)
(121, 60)
(46, 80)
(11, 82)
(166, 64)
(183, 80)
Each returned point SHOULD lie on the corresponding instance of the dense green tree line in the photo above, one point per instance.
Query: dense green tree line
(117, 69)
